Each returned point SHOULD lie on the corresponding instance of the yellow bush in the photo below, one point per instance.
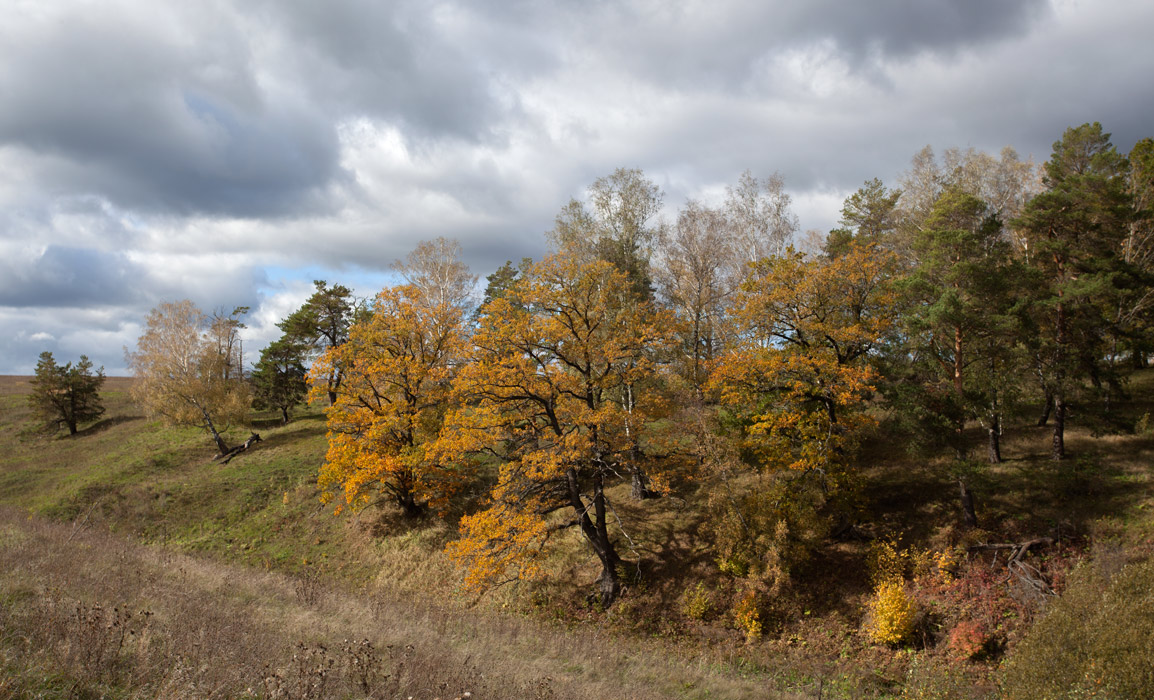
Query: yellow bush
(695, 603)
(892, 614)
(747, 616)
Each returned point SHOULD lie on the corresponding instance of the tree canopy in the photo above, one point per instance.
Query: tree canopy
(544, 391)
(189, 370)
(66, 395)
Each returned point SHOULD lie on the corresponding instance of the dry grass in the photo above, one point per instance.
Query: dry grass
(87, 613)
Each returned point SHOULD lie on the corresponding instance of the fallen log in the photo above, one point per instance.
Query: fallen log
(226, 456)
(1030, 577)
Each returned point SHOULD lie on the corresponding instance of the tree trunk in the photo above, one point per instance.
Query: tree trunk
(1058, 452)
(994, 447)
(597, 534)
(284, 415)
(406, 499)
(639, 490)
(1046, 410)
(221, 445)
(226, 457)
(969, 515)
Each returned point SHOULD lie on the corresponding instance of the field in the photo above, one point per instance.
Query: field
(132, 565)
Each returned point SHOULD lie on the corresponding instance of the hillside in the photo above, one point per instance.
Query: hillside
(253, 587)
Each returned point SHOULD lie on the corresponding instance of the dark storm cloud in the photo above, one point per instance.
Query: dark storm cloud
(897, 28)
(708, 45)
(74, 277)
(212, 111)
(156, 111)
(398, 61)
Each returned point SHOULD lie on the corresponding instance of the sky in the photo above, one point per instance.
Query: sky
(232, 151)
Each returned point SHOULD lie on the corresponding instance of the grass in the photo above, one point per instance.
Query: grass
(132, 513)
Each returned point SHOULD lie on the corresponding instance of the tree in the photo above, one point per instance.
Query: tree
(65, 395)
(397, 365)
(435, 270)
(794, 386)
(695, 278)
(1136, 307)
(962, 324)
(499, 283)
(868, 216)
(1003, 183)
(187, 370)
(278, 380)
(545, 394)
(615, 226)
(1076, 228)
(760, 218)
(322, 322)
(705, 255)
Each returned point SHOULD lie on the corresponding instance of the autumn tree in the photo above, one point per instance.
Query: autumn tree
(188, 370)
(1076, 228)
(278, 380)
(65, 395)
(795, 383)
(544, 393)
(323, 322)
(397, 367)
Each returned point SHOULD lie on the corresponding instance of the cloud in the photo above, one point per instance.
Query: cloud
(230, 152)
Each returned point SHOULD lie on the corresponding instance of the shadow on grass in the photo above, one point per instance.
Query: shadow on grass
(102, 425)
(279, 438)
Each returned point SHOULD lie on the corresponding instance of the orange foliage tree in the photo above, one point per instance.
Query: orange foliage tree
(795, 382)
(397, 365)
(547, 393)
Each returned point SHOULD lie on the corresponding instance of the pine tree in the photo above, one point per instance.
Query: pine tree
(66, 395)
(279, 377)
(1076, 231)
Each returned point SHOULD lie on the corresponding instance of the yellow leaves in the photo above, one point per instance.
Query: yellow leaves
(798, 374)
(184, 372)
(892, 614)
(843, 305)
(384, 427)
(550, 390)
(496, 543)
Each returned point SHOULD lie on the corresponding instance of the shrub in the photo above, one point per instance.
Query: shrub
(747, 616)
(769, 530)
(892, 614)
(1096, 640)
(886, 563)
(696, 602)
(969, 639)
